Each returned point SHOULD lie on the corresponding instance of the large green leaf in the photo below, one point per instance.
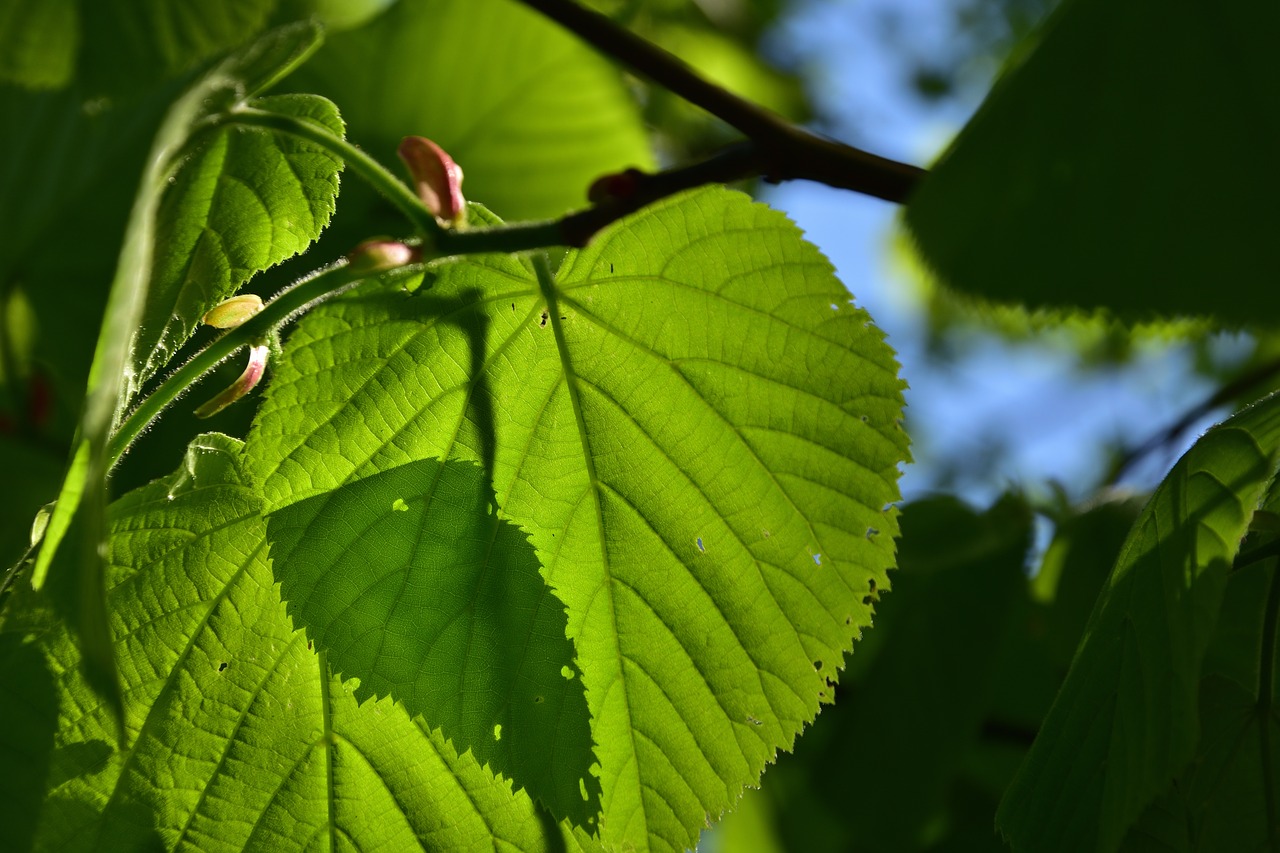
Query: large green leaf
(531, 113)
(698, 434)
(1127, 718)
(1120, 164)
(239, 736)
(245, 201)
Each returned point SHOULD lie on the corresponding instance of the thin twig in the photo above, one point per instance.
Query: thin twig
(784, 151)
(1224, 395)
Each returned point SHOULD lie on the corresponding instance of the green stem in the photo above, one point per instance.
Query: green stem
(288, 303)
(370, 169)
(1266, 676)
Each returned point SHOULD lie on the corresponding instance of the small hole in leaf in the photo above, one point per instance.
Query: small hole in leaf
(543, 322)
(835, 307)
(610, 267)
(566, 672)
(871, 584)
(309, 645)
(538, 700)
(497, 732)
(582, 789)
(222, 666)
(817, 666)
(752, 720)
(865, 419)
(701, 547)
(866, 599)
(817, 559)
(872, 533)
(398, 505)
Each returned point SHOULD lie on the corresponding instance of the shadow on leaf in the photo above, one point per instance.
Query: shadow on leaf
(409, 580)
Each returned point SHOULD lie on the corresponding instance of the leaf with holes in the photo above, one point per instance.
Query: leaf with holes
(695, 431)
(239, 736)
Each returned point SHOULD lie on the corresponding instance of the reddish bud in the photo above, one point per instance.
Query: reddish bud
(618, 186)
(436, 179)
(253, 372)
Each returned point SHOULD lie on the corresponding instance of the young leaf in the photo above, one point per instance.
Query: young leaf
(531, 113)
(245, 201)
(1126, 720)
(1120, 163)
(696, 431)
(239, 736)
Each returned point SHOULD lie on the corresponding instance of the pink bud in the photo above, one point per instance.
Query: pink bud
(375, 256)
(436, 179)
(253, 372)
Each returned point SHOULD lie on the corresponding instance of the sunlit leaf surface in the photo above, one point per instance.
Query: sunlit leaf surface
(694, 429)
(239, 738)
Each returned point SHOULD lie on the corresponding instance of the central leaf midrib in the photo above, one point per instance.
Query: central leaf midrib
(547, 286)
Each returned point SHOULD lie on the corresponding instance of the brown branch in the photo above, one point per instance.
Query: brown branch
(783, 151)
(613, 197)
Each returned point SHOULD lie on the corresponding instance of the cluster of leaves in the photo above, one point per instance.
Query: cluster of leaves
(560, 549)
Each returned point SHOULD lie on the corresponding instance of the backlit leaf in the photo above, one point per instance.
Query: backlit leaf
(239, 736)
(697, 433)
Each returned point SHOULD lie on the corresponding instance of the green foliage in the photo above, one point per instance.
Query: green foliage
(240, 185)
(1125, 721)
(691, 539)
(918, 690)
(554, 551)
(1117, 165)
(531, 113)
(239, 737)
